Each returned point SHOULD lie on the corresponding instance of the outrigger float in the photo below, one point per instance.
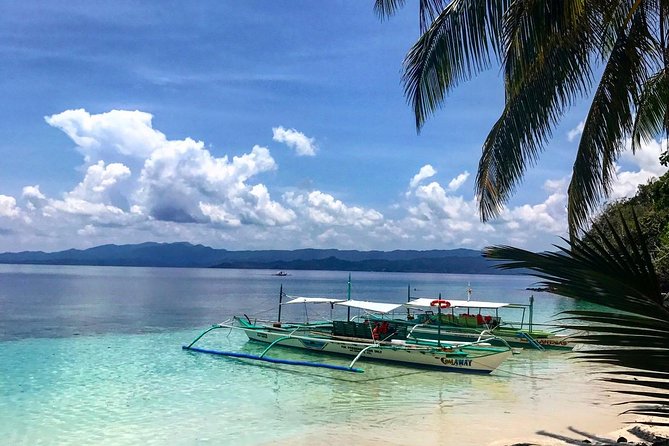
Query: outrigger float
(361, 340)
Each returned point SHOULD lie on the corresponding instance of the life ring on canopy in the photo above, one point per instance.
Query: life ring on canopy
(440, 303)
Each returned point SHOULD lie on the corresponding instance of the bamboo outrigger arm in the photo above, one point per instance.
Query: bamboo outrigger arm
(350, 366)
(264, 358)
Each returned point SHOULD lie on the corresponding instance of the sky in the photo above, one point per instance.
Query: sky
(252, 125)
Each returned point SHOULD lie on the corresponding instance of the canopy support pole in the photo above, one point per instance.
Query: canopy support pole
(280, 299)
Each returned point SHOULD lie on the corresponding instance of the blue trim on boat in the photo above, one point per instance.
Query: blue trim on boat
(273, 360)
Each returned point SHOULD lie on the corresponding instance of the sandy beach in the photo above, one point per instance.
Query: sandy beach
(575, 409)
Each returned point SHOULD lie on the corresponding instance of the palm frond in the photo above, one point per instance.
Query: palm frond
(609, 120)
(427, 10)
(387, 8)
(456, 46)
(652, 110)
(632, 333)
(547, 67)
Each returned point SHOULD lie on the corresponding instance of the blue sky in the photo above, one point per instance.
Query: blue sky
(250, 125)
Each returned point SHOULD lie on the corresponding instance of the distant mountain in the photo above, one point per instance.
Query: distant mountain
(188, 255)
(453, 264)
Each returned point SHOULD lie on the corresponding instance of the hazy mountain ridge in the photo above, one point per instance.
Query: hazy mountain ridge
(187, 255)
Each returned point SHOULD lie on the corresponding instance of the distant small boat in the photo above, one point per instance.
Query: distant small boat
(281, 273)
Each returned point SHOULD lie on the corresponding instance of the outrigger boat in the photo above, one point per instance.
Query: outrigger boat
(361, 340)
(465, 320)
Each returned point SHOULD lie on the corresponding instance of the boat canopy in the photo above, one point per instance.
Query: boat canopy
(377, 307)
(424, 303)
(313, 300)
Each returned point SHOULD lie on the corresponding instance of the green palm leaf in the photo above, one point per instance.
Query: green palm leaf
(548, 50)
(547, 67)
(631, 335)
(609, 120)
(652, 110)
(456, 46)
(428, 9)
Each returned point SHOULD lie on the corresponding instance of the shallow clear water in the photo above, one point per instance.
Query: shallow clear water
(93, 356)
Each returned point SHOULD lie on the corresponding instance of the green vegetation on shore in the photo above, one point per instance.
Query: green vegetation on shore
(651, 205)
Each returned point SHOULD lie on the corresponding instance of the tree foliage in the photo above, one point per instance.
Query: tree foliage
(651, 205)
(633, 334)
(549, 51)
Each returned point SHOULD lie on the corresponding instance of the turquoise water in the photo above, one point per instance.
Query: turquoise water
(93, 356)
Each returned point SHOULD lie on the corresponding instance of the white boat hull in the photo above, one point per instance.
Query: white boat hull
(464, 359)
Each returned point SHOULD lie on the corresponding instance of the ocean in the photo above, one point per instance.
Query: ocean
(92, 355)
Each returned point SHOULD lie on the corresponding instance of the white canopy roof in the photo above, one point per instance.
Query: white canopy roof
(378, 307)
(424, 303)
(312, 300)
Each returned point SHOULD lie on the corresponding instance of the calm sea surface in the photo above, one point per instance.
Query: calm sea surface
(92, 355)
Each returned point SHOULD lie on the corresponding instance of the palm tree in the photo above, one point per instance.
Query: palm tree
(549, 51)
(606, 269)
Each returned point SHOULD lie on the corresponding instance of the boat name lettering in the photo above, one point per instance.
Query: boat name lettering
(262, 335)
(451, 361)
(551, 342)
(355, 349)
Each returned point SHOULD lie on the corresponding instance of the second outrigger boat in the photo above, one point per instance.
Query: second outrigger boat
(465, 320)
(362, 340)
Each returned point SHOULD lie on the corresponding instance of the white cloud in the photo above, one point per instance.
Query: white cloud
(98, 181)
(303, 145)
(576, 132)
(257, 208)
(148, 187)
(8, 207)
(646, 160)
(458, 181)
(183, 182)
(124, 132)
(178, 180)
(34, 197)
(435, 203)
(91, 199)
(324, 209)
(426, 171)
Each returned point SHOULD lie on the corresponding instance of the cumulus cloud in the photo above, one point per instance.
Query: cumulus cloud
(183, 182)
(302, 144)
(99, 179)
(324, 209)
(138, 185)
(129, 133)
(178, 181)
(425, 172)
(8, 207)
(458, 181)
(646, 160)
(547, 217)
(34, 197)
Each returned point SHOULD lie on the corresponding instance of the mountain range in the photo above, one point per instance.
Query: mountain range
(465, 261)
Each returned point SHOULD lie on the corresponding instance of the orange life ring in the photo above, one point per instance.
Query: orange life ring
(440, 303)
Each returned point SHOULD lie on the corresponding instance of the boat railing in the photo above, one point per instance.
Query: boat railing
(479, 341)
(491, 337)
(410, 332)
